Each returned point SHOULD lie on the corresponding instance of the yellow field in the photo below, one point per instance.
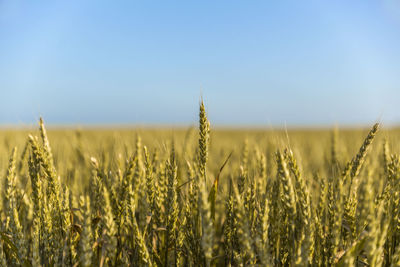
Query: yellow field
(284, 198)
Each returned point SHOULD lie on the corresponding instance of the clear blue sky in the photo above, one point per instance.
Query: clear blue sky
(148, 62)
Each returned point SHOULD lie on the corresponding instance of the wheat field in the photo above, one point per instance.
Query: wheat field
(200, 197)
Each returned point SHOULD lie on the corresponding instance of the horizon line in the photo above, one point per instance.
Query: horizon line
(218, 126)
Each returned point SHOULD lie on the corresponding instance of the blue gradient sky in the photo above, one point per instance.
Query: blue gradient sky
(148, 62)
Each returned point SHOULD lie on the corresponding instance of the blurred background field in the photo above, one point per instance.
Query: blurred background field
(73, 147)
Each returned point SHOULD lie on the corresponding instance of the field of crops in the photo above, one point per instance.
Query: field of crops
(200, 197)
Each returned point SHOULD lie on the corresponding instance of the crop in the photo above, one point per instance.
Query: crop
(153, 197)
